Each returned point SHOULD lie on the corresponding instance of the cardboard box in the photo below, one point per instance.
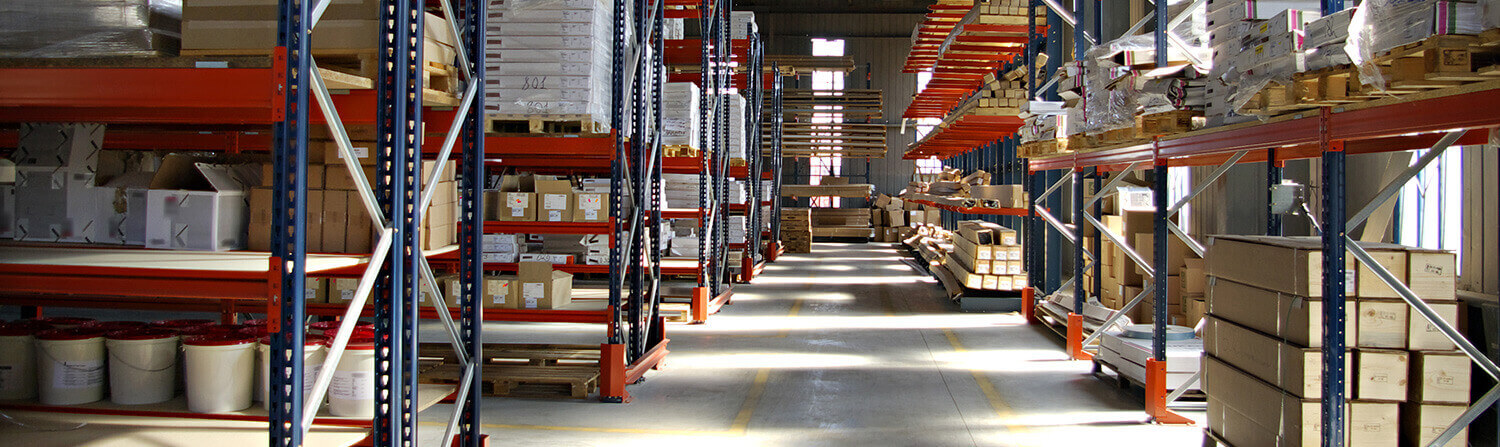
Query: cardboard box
(895, 218)
(315, 175)
(1439, 377)
(198, 206)
(494, 291)
(258, 237)
(1432, 274)
(1382, 324)
(359, 236)
(1177, 251)
(1292, 265)
(341, 290)
(1292, 368)
(1194, 279)
(56, 205)
(1298, 320)
(1421, 423)
(337, 178)
(335, 215)
(1380, 374)
(316, 290)
(1296, 421)
(555, 198)
(1423, 336)
(541, 287)
(518, 207)
(590, 207)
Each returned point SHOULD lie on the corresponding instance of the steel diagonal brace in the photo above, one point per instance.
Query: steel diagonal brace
(470, 369)
(1399, 182)
(346, 326)
(1183, 389)
(1139, 297)
(1203, 185)
(1192, 243)
(1468, 417)
(1051, 189)
(454, 130)
(346, 149)
(440, 307)
(457, 35)
(1124, 247)
(1108, 186)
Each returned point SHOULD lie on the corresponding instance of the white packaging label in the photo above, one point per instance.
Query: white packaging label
(8, 378)
(359, 152)
(498, 299)
(310, 377)
(554, 201)
(86, 374)
(517, 212)
(346, 294)
(533, 291)
(554, 215)
(590, 214)
(531, 303)
(352, 385)
(589, 202)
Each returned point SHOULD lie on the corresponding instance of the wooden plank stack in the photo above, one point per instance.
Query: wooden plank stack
(796, 230)
(838, 222)
(986, 256)
(850, 140)
(1263, 334)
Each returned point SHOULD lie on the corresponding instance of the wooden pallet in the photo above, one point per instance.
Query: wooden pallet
(520, 370)
(1438, 62)
(679, 150)
(1165, 123)
(1044, 148)
(544, 124)
(738, 162)
(676, 312)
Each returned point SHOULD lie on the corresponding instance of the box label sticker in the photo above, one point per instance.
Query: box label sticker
(554, 215)
(591, 214)
(76, 374)
(590, 202)
(554, 201)
(531, 303)
(533, 291)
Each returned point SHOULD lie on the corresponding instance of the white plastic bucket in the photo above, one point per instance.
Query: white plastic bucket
(313, 354)
(18, 359)
(142, 366)
(69, 366)
(352, 392)
(219, 371)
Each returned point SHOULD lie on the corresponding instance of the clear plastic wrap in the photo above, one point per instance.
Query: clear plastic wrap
(1105, 108)
(1279, 70)
(1380, 25)
(549, 57)
(90, 28)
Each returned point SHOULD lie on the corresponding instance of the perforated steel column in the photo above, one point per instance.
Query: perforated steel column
(471, 222)
(288, 241)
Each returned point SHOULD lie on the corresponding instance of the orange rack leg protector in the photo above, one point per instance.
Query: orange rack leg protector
(747, 269)
(1156, 395)
(1075, 338)
(1028, 305)
(484, 441)
(699, 306)
(773, 250)
(612, 374)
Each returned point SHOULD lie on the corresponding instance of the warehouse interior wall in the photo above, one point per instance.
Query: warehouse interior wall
(878, 44)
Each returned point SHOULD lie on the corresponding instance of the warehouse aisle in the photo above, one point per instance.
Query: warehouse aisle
(848, 345)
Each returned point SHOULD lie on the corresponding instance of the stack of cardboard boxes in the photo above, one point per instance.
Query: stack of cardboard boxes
(1130, 216)
(528, 198)
(337, 219)
(841, 222)
(796, 230)
(1264, 333)
(896, 219)
(986, 256)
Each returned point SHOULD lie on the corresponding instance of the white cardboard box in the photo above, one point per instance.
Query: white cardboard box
(55, 205)
(198, 206)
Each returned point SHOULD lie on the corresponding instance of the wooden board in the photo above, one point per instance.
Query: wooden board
(861, 190)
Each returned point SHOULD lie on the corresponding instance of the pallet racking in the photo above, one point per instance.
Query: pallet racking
(1433, 120)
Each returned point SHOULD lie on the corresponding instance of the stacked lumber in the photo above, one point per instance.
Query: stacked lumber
(862, 190)
(837, 222)
(848, 140)
(1262, 374)
(796, 230)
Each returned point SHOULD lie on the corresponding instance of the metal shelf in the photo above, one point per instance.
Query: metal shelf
(975, 210)
(507, 227)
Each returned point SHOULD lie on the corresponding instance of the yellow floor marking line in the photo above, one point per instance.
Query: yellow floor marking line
(1002, 409)
(752, 400)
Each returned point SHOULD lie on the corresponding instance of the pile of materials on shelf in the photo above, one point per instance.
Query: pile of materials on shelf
(896, 219)
(829, 187)
(1128, 215)
(1237, 61)
(950, 188)
(985, 256)
(1406, 382)
(547, 66)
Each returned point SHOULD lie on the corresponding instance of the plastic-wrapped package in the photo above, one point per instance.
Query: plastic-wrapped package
(1380, 25)
(1169, 89)
(90, 28)
(1104, 107)
(1333, 28)
(549, 57)
(679, 105)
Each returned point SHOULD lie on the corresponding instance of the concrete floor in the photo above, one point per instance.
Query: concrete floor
(849, 345)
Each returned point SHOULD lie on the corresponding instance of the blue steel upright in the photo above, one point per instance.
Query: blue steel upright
(471, 222)
(288, 241)
(398, 173)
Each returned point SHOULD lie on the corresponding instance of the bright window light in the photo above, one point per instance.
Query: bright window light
(828, 47)
(1426, 202)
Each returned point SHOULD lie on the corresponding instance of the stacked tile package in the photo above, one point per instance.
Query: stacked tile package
(1262, 374)
(549, 58)
(90, 28)
(1254, 43)
(679, 121)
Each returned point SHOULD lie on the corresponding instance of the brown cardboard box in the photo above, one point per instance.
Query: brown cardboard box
(1370, 286)
(1296, 420)
(438, 237)
(259, 237)
(1421, 423)
(555, 198)
(335, 220)
(1380, 374)
(494, 291)
(316, 291)
(316, 202)
(1291, 265)
(1382, 324)
(1423, 336)
(1295, 319)
(1431, 275)
(1194, 279)
(364, 151)
(1177, 251)
(518, 206)
(895, 218)
(359, 236)
(337, 178)
(314, 175)
(341, 290)
(541, 287)
(1439, 377)
(590, 207)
